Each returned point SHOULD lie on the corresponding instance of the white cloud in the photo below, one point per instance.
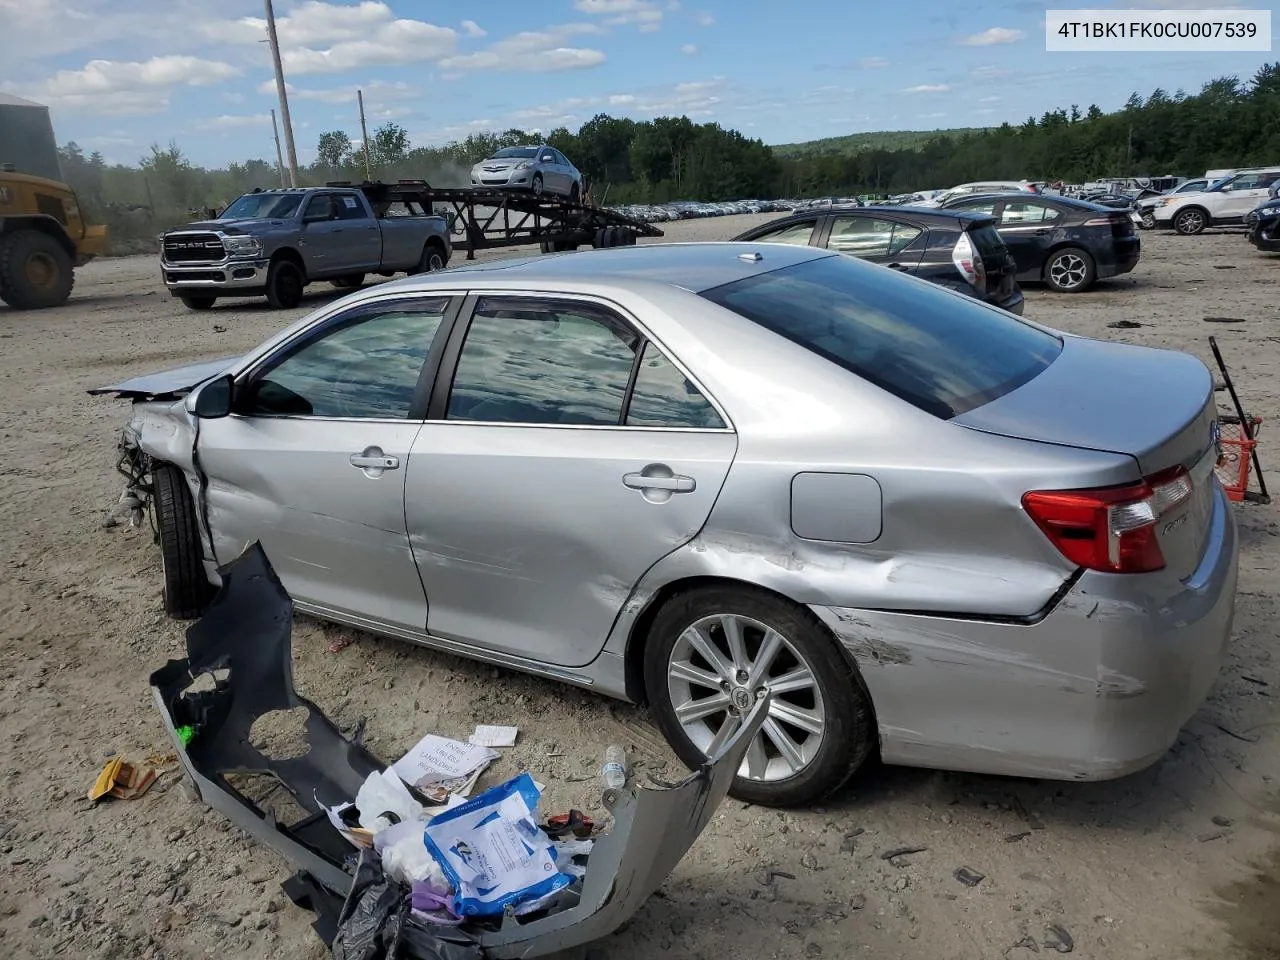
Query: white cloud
(319, 37)
(989, 100)
(233, 122)
(473, 29)
(116, 86)
(990, 71)
(873, 63)
(689, 49)
(706, 20)
(928, 88)
(643, 14)
(533, 51)
(992, 37)
(375, 93)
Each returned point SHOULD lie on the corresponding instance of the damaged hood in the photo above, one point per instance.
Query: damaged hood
(167, 383)
(242, 643)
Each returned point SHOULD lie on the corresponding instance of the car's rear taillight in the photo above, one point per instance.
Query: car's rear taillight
(969, 262)
(1112, 529)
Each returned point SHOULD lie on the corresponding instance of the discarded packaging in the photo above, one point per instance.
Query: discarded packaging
(242, 642)
(122, 780)
(493, 851)
(439, 766)
(492, 736)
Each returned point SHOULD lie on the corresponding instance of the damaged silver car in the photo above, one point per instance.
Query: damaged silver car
(698, 475)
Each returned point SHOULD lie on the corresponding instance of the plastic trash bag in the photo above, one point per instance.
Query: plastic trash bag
(405, 857)
(376, 924)
(383, 800)
(493, 851)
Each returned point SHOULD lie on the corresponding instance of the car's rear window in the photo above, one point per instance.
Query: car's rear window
(988, 241)
(942, 352)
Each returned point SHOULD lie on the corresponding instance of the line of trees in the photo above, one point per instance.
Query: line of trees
(1228, 123)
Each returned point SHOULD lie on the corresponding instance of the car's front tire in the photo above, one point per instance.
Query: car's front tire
(202, 302)
(285, 284)
(712, 652)
(1190, 221)
(186, 588)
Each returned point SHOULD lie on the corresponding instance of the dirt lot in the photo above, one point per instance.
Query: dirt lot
(1182, 860)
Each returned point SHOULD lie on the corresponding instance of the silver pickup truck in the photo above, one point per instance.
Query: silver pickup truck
(273, 243)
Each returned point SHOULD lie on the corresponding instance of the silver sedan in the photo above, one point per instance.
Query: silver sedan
(540, 169)
(688, 474)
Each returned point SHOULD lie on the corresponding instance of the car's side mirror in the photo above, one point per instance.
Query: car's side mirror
(213, 400)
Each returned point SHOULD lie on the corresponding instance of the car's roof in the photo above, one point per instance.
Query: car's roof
(1048, 199)
(692, 266)
(905, 211)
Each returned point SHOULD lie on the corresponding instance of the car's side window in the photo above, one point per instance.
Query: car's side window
(1021, 213)
(543, 362)
(319, 205)
(870, 237)
(349, 207)
(797, 233)
(664, 397)
(365, 369)
(978, 206)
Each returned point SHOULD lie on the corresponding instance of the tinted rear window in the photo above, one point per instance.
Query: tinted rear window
(943, 353)
(987, 239)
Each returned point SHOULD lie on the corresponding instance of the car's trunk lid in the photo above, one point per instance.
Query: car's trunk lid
(1156, 406)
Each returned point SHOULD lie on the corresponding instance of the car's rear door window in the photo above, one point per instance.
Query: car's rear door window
(943, 353)
(870, 237)
(797, 233)
(664, 397)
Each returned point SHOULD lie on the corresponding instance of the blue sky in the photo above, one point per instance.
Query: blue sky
(121, 74)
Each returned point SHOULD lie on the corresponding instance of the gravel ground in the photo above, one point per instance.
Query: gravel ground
(1182, 860)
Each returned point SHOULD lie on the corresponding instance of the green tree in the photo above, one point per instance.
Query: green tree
(333, 149)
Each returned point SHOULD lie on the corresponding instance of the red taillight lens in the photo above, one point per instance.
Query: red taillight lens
(1111, 529)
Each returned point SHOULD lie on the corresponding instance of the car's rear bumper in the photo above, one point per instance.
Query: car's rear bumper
(1124, 255)
(1265, 234)
(1097, 688)
(1014, 302)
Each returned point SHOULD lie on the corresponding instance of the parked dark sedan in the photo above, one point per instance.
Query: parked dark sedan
(1264, 226)
(958, 250)
(1067, 243)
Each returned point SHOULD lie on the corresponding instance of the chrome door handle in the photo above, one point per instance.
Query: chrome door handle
(640, 481)
(365, 462)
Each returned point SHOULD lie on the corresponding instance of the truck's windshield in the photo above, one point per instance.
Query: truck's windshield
(263, 206)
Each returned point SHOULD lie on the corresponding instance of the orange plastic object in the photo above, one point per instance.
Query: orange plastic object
(1236, 461)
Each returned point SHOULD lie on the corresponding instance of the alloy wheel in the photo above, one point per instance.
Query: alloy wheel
(719, 667)
(1068, 271)
(1190, 222)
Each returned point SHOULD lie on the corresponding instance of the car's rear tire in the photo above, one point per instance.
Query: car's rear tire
(432, 259)
(1070, 270)
(575, 194)
(186, 588)
(199, 302)
(348, 283)
(824, 700)
(35, 270)
(1190, 221)
(285, 284)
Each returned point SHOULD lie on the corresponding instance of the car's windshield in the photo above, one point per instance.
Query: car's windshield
(262, 206)
(513, 153)
(941, 352)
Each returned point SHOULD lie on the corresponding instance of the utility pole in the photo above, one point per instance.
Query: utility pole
(364, 134)
(280, 92)
(279, 159)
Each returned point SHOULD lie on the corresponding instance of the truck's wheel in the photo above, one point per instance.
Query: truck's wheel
(284, 285)
(200, 302)
(186, 588)
(348, 283)
(35, 271)
(432, 259)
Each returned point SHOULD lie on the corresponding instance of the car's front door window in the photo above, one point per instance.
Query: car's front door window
(977, 206)
(543, 362)
(1021, 213)
(366, 368)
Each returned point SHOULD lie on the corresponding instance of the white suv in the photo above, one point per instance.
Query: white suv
(1226, 202)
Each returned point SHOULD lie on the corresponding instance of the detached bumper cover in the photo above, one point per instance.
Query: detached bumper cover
(244, 642)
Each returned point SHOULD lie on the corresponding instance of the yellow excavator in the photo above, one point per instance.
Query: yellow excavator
(43, 238)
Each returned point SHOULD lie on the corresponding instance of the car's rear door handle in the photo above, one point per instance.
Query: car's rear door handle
(899, 266)
(642, 481)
